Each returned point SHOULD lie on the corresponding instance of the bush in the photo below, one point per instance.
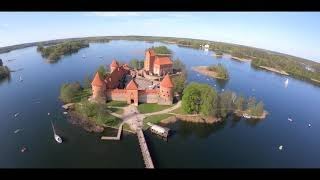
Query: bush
(4, 72)
(162, 50)
(69, 92)
(220, 70)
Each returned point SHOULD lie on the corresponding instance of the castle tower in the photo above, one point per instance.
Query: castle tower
(149, 60)
(114, 65)
(98, 89)
(166, 91)
(132, 93)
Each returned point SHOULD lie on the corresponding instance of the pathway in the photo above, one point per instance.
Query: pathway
(116, 137)
(165, 110)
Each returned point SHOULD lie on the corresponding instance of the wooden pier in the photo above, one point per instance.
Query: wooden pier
(112, 137)
(144, 150)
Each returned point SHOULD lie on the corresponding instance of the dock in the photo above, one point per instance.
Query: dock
(114, 137)
(159, 130)
(144, 150)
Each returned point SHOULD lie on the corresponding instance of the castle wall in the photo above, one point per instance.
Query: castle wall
(116, 94)
(148, 96)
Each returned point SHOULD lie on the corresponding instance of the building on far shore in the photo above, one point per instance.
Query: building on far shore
(119, 85)
(155, 64)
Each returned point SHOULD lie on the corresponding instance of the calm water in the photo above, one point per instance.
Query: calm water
(234, 143)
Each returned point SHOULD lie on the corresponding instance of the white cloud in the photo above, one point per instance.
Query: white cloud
(114, 14)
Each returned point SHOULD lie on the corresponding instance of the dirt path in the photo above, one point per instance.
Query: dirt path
(165, 110)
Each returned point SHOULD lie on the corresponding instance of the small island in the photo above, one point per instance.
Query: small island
(4, 71)
(55, 52)
(216, 71)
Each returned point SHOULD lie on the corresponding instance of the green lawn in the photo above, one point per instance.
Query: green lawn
(97, 113)
(148, 108)
(116, 110)
(117, 103)
(83, 94)
(155, 119)
(179, 111)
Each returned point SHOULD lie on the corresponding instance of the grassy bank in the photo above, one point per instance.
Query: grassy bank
(148, 108)
(155, 119)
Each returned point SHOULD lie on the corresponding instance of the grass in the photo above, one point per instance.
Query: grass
(178, 111)
(126, 127)
(117, 103)
(155, 119)
(97, 113)
(84, 94)
(116, 110)
(148, 108)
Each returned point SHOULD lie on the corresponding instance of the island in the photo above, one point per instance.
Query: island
(55, 52)
(216, 71)
(4, 71)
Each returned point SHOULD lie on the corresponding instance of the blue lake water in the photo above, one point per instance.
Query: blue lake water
(234, 143)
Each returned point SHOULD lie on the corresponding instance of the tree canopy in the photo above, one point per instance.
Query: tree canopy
(69, 91)
(162, 50)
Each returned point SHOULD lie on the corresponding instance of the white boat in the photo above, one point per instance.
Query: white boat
(20, 79)
(16, 114)
(286, 82)
(83, 56)
(289, 119)
(280, 147)
(56, 137)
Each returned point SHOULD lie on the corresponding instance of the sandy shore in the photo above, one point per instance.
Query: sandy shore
(240, 59)
(203, 70)
(190, 118)
(275, 70)
(315, 80)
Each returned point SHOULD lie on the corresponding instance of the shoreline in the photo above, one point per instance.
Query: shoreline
(190, 118)
(274, 70)
(314, 80)
(203, 70)
(240, 59)
(242, 113)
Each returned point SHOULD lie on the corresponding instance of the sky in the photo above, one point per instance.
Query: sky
(294, 33)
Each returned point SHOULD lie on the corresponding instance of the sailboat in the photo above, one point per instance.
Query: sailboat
(56, 137)
(20, 79)
(286, 82)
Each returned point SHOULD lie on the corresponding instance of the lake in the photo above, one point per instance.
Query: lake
(234, 143)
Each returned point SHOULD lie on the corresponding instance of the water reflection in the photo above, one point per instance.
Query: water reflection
(6, 79)
(186, 129)
(222, 83)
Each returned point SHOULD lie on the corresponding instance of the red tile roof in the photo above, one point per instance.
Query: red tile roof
(132, 85)
(97, 81)
(166, 82)
(163, 60)
(114, 63)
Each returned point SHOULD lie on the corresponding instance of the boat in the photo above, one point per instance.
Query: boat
(83, 56)
(286, 82)
(309, 125)
(56, 137)
(16, 114)
(289, 119)
(20, 79)
(280, 147)
(16, 131)
(246, 116)
(23, 149)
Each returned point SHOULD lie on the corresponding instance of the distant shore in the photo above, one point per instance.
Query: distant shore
(203, 70)
(274, 70)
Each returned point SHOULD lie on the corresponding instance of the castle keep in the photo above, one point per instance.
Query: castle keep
(120, 85)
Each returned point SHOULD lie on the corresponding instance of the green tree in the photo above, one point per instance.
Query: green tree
(226, 105)
(102, 71)
(162, 50)
(4, 72)
(87, 82)
(259, 109)
(209, 100)
(179, 83)
(191, 99)
(179, 65)
(68, 92)
(251, 104)
(239, 103)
